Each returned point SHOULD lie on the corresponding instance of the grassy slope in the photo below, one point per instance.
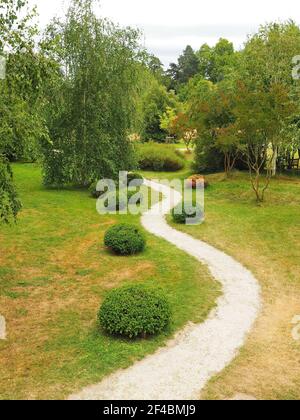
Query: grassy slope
(54, 273)
(265, 239)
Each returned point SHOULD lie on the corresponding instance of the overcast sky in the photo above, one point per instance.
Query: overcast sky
(170, 25)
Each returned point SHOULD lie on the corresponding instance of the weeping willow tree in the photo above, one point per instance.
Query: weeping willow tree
(94, 102)
(21, 124)
(9, 202)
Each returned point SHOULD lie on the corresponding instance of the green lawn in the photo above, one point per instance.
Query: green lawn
(54, 273)
(266, 239)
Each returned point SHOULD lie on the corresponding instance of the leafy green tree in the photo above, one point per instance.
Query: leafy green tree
(290, 148)
(260, 130)
(155, 99)
(179, 124)
(9, 202)
(96, 101)
(156, 67)
(218, 61)
(22, 90)
(187, 67)
(21, 93)
(228, 141)
(211, 111)
(266, 87)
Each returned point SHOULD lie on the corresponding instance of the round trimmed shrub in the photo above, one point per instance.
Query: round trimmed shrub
(138, 197)
(125, 239)
(182, 212)
(135, 311)
(93, 190)
(134, 176)
(115, 201)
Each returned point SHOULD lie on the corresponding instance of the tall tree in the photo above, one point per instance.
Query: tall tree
(187, 67)
(266, 87)
(22, 90)
(218, 61)
(21, 122)
(212, 112)
(154, 101)
(95, 112)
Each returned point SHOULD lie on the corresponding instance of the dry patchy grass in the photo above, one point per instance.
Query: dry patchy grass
(54, 273)
(266, 239)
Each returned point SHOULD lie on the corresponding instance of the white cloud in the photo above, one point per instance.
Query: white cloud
(169, 25)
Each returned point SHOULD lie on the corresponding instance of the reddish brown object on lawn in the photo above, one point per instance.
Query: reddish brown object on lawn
(195, 180)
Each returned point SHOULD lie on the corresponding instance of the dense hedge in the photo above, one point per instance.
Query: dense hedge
(182, 212)
(135, 311)
(159, 158)
(125, 239)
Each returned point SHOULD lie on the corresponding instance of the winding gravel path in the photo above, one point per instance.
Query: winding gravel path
(181, 369)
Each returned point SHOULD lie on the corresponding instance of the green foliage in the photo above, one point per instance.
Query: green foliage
(208, 158)
(154, 101)
(115, 201)
(28, 73)
(267, 88)
(187, 67)
(94, 104)
(185, 211)
(135, 197)
(94, 192)
(125, 239)
(136, 178)
(215, 63)
(211, 109)
(155, 157)
(9, 202)
(135, 311)
(21, 115)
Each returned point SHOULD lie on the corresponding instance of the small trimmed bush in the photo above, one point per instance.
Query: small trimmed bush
(138, 197)
(182, 212)
(135, 311)
(125, 239)
(115, 201)
(93, 190)
(159, 158)
(134, 176)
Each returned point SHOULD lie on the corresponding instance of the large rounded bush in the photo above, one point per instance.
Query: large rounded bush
(186, 212)
(125, 239)
(158, 157)
(135, 311)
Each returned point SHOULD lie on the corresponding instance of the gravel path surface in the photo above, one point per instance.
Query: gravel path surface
(181, 369)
